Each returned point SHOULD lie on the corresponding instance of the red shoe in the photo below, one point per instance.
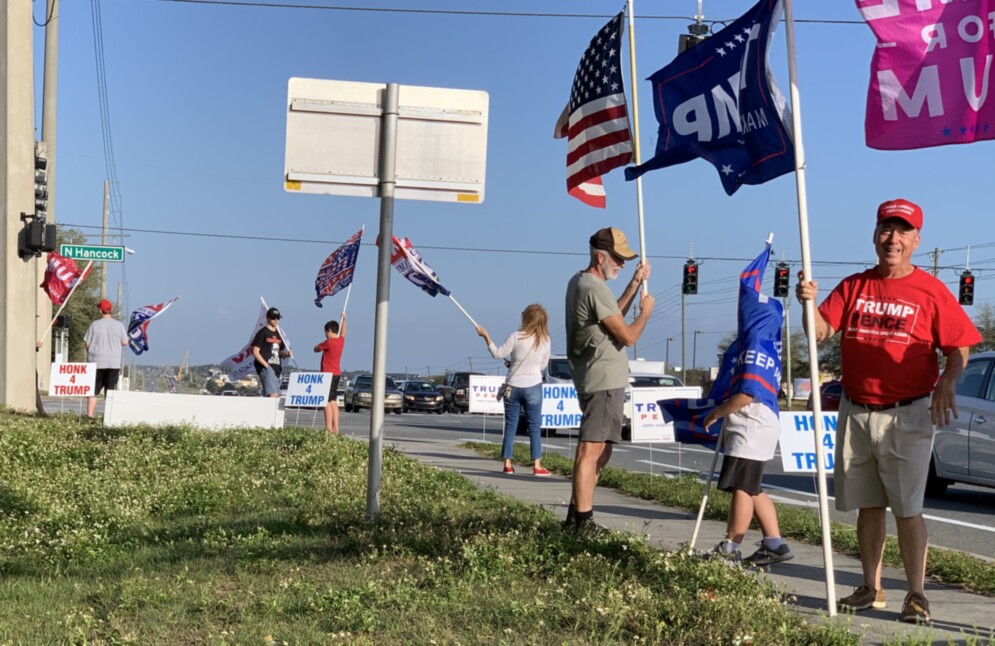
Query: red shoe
(541, 472)
(509, 469)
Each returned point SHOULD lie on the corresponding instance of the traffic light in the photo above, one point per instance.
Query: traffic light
(782, 280)
(690, 284)
(41, 179)
(966, 296)
(698, 32)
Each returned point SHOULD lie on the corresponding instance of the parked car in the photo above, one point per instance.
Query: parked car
(459, 401)
(830, 393)
(359, 394)
(340, 397)
(422, 395)
(964, 451)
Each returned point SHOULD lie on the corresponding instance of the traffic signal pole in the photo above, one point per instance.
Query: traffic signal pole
(18, 299)
(43, 358)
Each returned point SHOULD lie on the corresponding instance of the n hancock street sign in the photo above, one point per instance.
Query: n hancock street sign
(333, 140)
(96, 253)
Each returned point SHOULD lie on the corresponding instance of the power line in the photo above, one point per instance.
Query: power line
(528, 252)
(452, 12)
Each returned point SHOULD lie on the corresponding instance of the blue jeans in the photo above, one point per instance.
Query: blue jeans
(531, 399)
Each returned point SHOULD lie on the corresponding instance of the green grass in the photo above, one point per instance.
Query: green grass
(176, 536)
(685, 492)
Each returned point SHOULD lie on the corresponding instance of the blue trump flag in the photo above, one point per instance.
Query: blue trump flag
(719, 101)
(751, 365)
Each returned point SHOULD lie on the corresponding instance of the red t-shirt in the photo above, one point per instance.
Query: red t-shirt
(890, 329)
(331, 354)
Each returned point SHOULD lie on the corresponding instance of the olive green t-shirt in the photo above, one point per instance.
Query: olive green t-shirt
(597, 360)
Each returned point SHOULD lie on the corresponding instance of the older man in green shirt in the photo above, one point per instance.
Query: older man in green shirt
(597, 336)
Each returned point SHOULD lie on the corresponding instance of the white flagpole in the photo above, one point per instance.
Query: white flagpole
(708, 488)
(635, 138)
(813, 352)
(348, 290)
(465, 313)
(86, 272)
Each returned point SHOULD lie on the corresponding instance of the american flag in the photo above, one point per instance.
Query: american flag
(596, 119)
(337, 270)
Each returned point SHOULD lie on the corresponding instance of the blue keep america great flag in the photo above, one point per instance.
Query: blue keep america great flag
(751, 365)
(719, 101)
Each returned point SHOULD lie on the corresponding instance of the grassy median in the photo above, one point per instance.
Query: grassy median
(166, 536)
(685, 492)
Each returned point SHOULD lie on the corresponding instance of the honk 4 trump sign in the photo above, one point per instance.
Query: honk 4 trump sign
(72, 379)
(930, 72)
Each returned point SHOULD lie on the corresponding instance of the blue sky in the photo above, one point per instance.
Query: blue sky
(197, 98)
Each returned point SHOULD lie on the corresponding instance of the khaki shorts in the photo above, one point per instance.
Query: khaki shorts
(602, 415)
(882, 458)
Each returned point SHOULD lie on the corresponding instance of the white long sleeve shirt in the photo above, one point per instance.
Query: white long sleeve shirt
(527, 361)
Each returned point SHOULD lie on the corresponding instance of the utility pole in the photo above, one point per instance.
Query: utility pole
(788, 386)
(18, 285)
(684, 363)
(935, 255)
(103, 240)
(43, 358)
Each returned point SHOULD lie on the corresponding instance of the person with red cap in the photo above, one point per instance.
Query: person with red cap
(892, 319)
(597, 336)
(104, 340)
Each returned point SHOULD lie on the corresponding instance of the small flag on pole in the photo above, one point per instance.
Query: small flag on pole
(337, 271)
(61, 275)
(596, 119)
(408, 262)
(138, 324)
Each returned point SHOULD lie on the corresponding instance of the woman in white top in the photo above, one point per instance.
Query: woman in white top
(527, 351)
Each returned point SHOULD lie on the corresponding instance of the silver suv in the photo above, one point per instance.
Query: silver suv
(964, 451)
(359, 394)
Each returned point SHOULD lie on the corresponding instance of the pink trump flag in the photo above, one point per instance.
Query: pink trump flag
(930, 72)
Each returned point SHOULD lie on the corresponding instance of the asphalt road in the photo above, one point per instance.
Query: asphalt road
(963, 519)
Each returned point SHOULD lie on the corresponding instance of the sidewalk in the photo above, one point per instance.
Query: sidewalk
(959, 617)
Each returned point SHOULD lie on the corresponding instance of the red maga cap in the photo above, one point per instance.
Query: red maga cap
(903, 210)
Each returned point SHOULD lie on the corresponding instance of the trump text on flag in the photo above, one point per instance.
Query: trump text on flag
(930, 73)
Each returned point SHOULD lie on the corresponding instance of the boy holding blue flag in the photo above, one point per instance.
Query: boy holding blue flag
(745, 396)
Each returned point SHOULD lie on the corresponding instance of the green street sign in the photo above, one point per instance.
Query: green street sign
(96, 253)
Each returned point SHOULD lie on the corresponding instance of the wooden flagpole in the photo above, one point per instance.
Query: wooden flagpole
(809, 307)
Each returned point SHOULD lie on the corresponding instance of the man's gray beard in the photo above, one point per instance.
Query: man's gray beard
(607, 268)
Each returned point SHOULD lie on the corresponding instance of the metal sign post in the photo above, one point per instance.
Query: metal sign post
(386, 141)
(388, 152)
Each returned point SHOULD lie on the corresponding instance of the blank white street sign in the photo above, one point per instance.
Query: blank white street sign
(333, 140)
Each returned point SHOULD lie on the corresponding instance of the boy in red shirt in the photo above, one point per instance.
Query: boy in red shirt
(331, 355)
